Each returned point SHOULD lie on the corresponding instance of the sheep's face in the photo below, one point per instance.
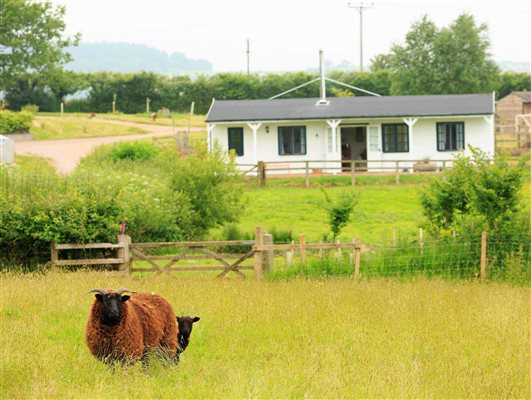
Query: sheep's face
(185, 330)
(112, 307)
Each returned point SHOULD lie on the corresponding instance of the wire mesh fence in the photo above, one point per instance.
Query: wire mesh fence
(457, 258)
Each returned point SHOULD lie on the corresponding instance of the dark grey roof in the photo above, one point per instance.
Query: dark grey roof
(351, 107)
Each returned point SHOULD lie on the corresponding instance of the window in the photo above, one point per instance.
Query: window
(291, 140)
(236, 140)
(450, 136)
(395, 138)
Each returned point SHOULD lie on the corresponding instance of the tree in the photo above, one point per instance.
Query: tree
(476, 190)
(451, 60)
(32, 32)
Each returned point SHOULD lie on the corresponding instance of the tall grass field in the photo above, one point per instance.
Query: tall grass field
(315, 338)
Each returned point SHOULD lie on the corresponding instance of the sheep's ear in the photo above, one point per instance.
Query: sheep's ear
(99, 297)
(178, 318)
(196, 319)
(125, 298)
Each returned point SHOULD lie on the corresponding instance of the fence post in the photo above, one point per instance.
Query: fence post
(54, 254)
(261, 173)
(483, 259)
(258, 255)
(124, 253)
(357, 258)
(267, 259)
(397, 172)
(353, 172)
(307, 173)
(303, 250)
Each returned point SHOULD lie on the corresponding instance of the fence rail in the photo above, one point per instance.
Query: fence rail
(352, 168)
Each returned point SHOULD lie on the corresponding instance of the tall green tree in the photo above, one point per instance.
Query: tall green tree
(33, 36)
(451, 60)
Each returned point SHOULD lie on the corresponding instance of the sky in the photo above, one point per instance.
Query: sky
(286, 35)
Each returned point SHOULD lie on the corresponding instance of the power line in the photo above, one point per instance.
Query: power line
(360, 7)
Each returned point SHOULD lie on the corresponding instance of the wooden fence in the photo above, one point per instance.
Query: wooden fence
(352, 168)
(261, 252)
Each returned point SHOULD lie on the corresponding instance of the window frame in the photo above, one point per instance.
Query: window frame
(282, 130)
(395, 134)
(230, 142)
(455, 139)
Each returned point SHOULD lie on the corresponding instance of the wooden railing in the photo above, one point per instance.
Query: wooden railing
(353, 168)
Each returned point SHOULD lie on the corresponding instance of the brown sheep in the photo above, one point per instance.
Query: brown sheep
(126, 328)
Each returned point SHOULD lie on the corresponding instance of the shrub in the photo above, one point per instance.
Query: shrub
(135, 151)
(30, 108)
(212, 184)
(474, 188)
(478, 195)
(11, 122)
(339, 210)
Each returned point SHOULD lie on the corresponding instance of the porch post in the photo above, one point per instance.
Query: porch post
(254, 128)
(210, 128)
(410, 122)
(334, 123)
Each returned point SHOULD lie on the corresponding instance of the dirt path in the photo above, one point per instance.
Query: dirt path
(66, 154)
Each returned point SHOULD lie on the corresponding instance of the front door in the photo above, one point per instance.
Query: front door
(354, 146)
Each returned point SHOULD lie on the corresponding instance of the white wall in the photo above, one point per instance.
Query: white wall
(479, 132)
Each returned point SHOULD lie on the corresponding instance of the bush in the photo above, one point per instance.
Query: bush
(11, 122)
(339, 211)
(135, 151)
(212, 184)
(30, 108)
(478, 195)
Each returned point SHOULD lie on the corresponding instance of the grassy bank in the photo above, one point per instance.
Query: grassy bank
(303, 338)
(69, 128)
(179, 119)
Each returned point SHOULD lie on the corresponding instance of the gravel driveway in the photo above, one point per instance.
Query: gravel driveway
(66, 154)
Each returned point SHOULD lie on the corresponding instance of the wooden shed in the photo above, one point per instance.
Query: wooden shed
(512, 105)
(513, 123)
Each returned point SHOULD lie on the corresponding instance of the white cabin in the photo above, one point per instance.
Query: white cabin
(405, 128)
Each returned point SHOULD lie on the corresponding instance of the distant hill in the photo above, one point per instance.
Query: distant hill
(127, 57)
(514, 66)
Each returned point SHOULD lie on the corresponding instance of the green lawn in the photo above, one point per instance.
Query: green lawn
(329, 338)
(69, 128)
(381, 208)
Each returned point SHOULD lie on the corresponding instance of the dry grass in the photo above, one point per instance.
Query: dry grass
(290, 339)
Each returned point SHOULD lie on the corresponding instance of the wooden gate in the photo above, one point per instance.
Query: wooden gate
(224, 262)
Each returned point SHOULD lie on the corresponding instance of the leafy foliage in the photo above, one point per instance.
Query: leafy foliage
(33, 31)
(475, 186)
(479, 194)
(211, 183)
(134, 151)
(339, 210)
(166, 198)
(15, 121)
(454, 59)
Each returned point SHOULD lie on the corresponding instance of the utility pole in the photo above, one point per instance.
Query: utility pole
(360, 7)
(248, 57)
